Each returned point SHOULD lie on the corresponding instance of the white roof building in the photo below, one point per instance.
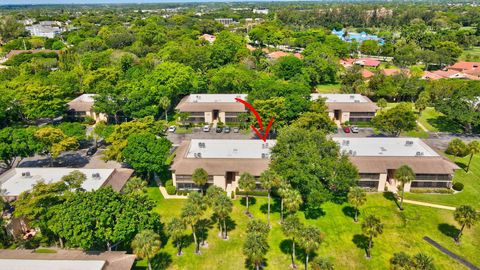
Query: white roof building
(231, 149)
(343, 98)
(18, 264)
(385, 147)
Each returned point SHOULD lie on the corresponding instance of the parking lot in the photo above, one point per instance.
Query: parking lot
(198, 133)
(362, 132)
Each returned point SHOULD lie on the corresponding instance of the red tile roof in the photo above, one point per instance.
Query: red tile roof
(367, 73)
(369, 62)
(463, 65)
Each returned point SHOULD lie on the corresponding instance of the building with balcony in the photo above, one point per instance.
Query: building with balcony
(82, 107)
(210, 108)
(224, 161)
(377, 158)
(348, 107)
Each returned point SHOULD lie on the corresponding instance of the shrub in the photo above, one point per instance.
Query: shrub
(88, 120)
(457, 186)
(431, 190)
(171, 190)
(262, 193)
(232, 195)
(169, 183)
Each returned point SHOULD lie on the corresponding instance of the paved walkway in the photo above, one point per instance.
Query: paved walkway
(422, 126)
(430, 205)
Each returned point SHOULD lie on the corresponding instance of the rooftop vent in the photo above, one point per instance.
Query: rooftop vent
(201, 145)
(95, 175)
(26, 174)
(383, 149)
(264, 145)
(352, 96)
(408, 143)
(345, 142)
(419, 154)
(197, 155)
(356, 101)
(265, 155)
(354, 153)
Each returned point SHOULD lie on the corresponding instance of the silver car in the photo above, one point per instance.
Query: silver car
(354, 129)
(206, 128)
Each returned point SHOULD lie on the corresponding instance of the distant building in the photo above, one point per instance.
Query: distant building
(348, 107)
(225, 21)
(367, 62)
(464, 66)
(377, 159)
(47, 29)
(260, 11)
(25, 259)
(460, 70)
(358, 37)
(207, 108)
(367, 74)
(82, 107)
(278, 54)
(209, 38)
(17, 180)
(224, 161)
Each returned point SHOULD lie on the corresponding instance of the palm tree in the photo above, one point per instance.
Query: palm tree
(371, 227)
(247, 184)
(357, 196)
(423, 262)
(466, 216)
(255, 248)
(269, 179)
(401, 260)
(321, 263)
(192, 212)
(292, 227)
(473, 149)
(146, 244)
(200, 178)
(164, 103)
(175, 229)
(135, 185)
(310, 240)
(404, 175)
(292, 201)
(222, 207)
(282, 191)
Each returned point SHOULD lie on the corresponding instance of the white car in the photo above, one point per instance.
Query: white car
(172, 129)
(206, 128)
(354, 129)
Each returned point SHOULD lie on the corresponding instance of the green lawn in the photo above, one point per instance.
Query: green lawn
(471, 54)
(328, 88)
(343, 241)
(434, 121)
(469, 195)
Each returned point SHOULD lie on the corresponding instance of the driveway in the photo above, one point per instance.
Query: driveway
(362, 132)
(440, 140)
(198, 133)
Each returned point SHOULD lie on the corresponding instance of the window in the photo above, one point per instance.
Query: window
(368, 184)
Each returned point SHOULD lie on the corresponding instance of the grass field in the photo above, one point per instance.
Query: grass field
(434, 121)
(328, 88)
(471, 55)
(343, 240)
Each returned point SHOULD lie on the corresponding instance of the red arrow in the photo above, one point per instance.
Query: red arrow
(259, 120)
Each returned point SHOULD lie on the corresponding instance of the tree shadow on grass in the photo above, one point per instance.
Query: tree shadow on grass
(361, 241)
(251, 200)
(204, 225)
(161, 261)
(314, 212)
(231, 224)
(461, 165)
(349, 211)
(275, 206)
(251, 265)
(448, 230)
(391, 197)
(443, 124)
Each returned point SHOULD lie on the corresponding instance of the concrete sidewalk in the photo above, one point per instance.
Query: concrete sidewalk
(167, 196)
(430, 205)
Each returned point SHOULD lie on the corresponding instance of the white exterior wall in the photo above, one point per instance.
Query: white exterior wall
(219, 181)
(382, 181)
(98, 117)
(221, 116)
(208, 117)
(345, 116)
(331, 115)
(174, 179)
(407, 186)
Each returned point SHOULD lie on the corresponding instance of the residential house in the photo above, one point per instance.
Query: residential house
(348, 107)
(82, 107)
(209, 38)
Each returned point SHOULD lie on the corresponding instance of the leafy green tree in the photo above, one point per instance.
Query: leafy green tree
(401, 261)
(316, 118)
(423, 101)
(473, 149)
(146, 244)
(135, 185)
(175, 229)
(357, 196)
(200, 178)
(404, 174)
(466, 216)
(269, 180)
(321, 263)
(192, 212)
(227, 48)
(17, 143)
(292, 228)
(247, 183)
(230, 79)
(146, 153)
(10, 28)
(55, 142)
(371, 227)
(74, 180)
(457, 148)
(255, 246)
(223, 207)
(396, 120)
(370, 47)
(40, 101)
(287, 67)
(310, 240)
(448, 52)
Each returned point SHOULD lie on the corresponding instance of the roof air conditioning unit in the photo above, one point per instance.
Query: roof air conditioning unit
(26, 174)
(199, 155)
(356, 101)
(408, 143)
(419, 153)
(264, 145)
(352, 96)
(201, 145)
(95, 175)
(264, 155)
(383, 149)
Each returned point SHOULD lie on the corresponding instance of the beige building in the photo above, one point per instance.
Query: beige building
(210, 108)
(348, 107)
(82, 107)
(377, 158)
(224, 161)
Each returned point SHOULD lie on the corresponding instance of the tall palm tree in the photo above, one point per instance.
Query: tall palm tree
(321, 263)
(466, 216)
(255, 248)
(357, 196)
(371, 227)
(200, 178)
(222, 207)
(191, 214)
(310, 240)
(269, 180)
(404, 174)
(283, 189)
(423, 262)
(293, 200)
(247, 184)
(473, 149)
(175, 229)
(164, 103)
(292, 227)
(146, 244)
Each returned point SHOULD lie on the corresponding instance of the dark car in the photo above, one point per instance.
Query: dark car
(219, 130)
(346, 129)
(226, 129)
(91, 150)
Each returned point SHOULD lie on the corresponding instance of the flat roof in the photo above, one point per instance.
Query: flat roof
(344, 98)
(232, 149)
(208, 98)
(386, 147)
(18, 264)
(18, 180)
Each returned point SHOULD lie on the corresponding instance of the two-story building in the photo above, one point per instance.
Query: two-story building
(348, 107)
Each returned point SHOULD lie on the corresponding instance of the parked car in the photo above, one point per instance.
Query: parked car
(226, 129)
(354, 129)
(346, 129)
(206, 128)
(219, 130)
(172, 129)
(236, 130)
(91, 150)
